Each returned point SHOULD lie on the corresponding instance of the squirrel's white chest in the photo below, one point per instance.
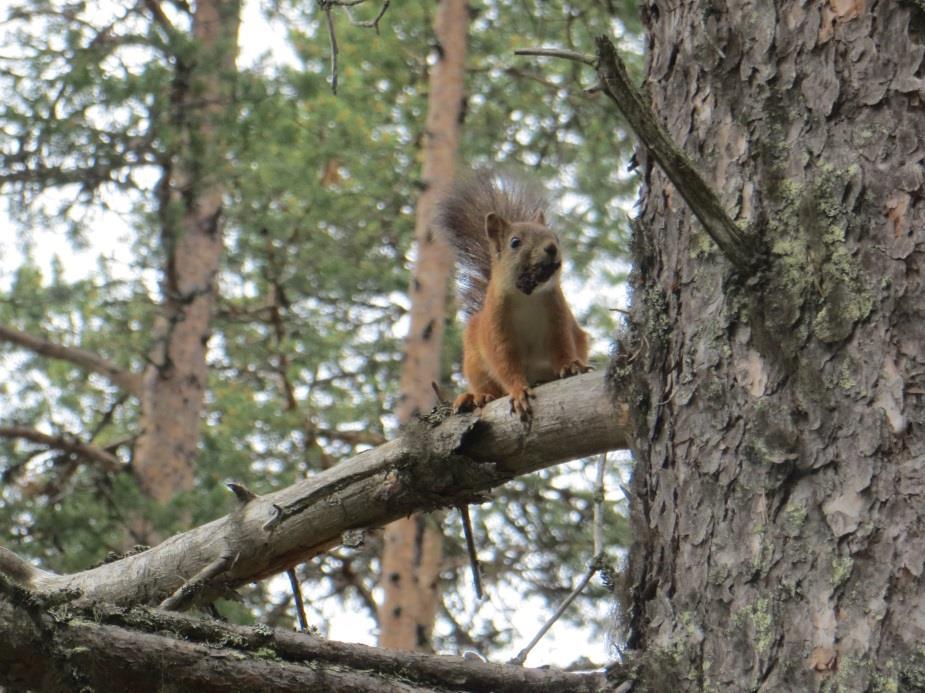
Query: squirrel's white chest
(531, 326)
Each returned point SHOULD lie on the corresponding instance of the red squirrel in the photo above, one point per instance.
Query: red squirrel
(520, 330)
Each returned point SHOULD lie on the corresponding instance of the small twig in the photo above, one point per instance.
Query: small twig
(597, 563)
(180, 599)
(326, 6)
(297, 596)
(558, 53)
(372, 23)
(441, 396)
(470, 547)
(599, 507)
(522, 655)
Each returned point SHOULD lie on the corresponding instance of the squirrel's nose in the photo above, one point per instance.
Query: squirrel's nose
(551, 250)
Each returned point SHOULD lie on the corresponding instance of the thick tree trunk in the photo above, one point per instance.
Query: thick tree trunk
(780, 465)
(412, 553)
(190, 199)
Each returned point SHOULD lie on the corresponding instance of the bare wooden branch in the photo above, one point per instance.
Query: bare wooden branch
(65, 443)
(435, 464)
(114, 649)
(86, 360)
(559, 53)
(741, 248)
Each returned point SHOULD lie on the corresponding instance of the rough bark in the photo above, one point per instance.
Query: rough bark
(780, 464)
(412, 551)
(114, 649)
(190, 210)
(431, 466)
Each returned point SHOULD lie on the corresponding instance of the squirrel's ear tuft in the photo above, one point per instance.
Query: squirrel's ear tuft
(496, 227)
(540, 217)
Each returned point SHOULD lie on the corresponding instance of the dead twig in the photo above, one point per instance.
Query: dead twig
(597, 563)
(326, 6)
(558, 53)
(374, 22)
(199, 582)
(297, 596)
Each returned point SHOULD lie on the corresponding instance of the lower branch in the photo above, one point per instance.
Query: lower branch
(113, 649)
(442, 462)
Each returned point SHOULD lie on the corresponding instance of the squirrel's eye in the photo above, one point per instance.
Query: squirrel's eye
(515, 242)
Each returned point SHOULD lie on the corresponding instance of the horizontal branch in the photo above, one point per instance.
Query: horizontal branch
(86, 360)
(115, 649)
(434, 464)
(65, 443)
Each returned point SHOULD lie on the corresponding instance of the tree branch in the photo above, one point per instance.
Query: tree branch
(435, 464)
(741, 248)
(67, 443)
(574, 56)
(113, 649)
(88, 361)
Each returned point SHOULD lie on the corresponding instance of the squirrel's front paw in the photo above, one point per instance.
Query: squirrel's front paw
(574, 368)
(520, 402)
(469, 401)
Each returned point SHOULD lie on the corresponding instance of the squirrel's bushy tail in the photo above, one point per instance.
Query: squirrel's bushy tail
(461, 218)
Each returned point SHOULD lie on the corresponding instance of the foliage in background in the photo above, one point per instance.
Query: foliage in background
(306, 342)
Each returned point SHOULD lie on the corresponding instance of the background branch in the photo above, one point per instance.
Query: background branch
(88, 361)
(67, 443)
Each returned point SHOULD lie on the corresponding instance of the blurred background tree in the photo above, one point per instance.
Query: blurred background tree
(316, 198)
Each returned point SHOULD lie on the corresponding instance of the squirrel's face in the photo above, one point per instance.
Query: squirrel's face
(524, 254)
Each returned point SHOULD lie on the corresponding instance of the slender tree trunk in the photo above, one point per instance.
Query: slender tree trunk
(780, 464)
(413, 549)
(190, 198)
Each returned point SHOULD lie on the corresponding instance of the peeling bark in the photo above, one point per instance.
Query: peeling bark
(431, 466)
(779, 479)
(412, 551)
(190, 192)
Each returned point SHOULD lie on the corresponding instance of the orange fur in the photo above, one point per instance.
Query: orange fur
(520, 338)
